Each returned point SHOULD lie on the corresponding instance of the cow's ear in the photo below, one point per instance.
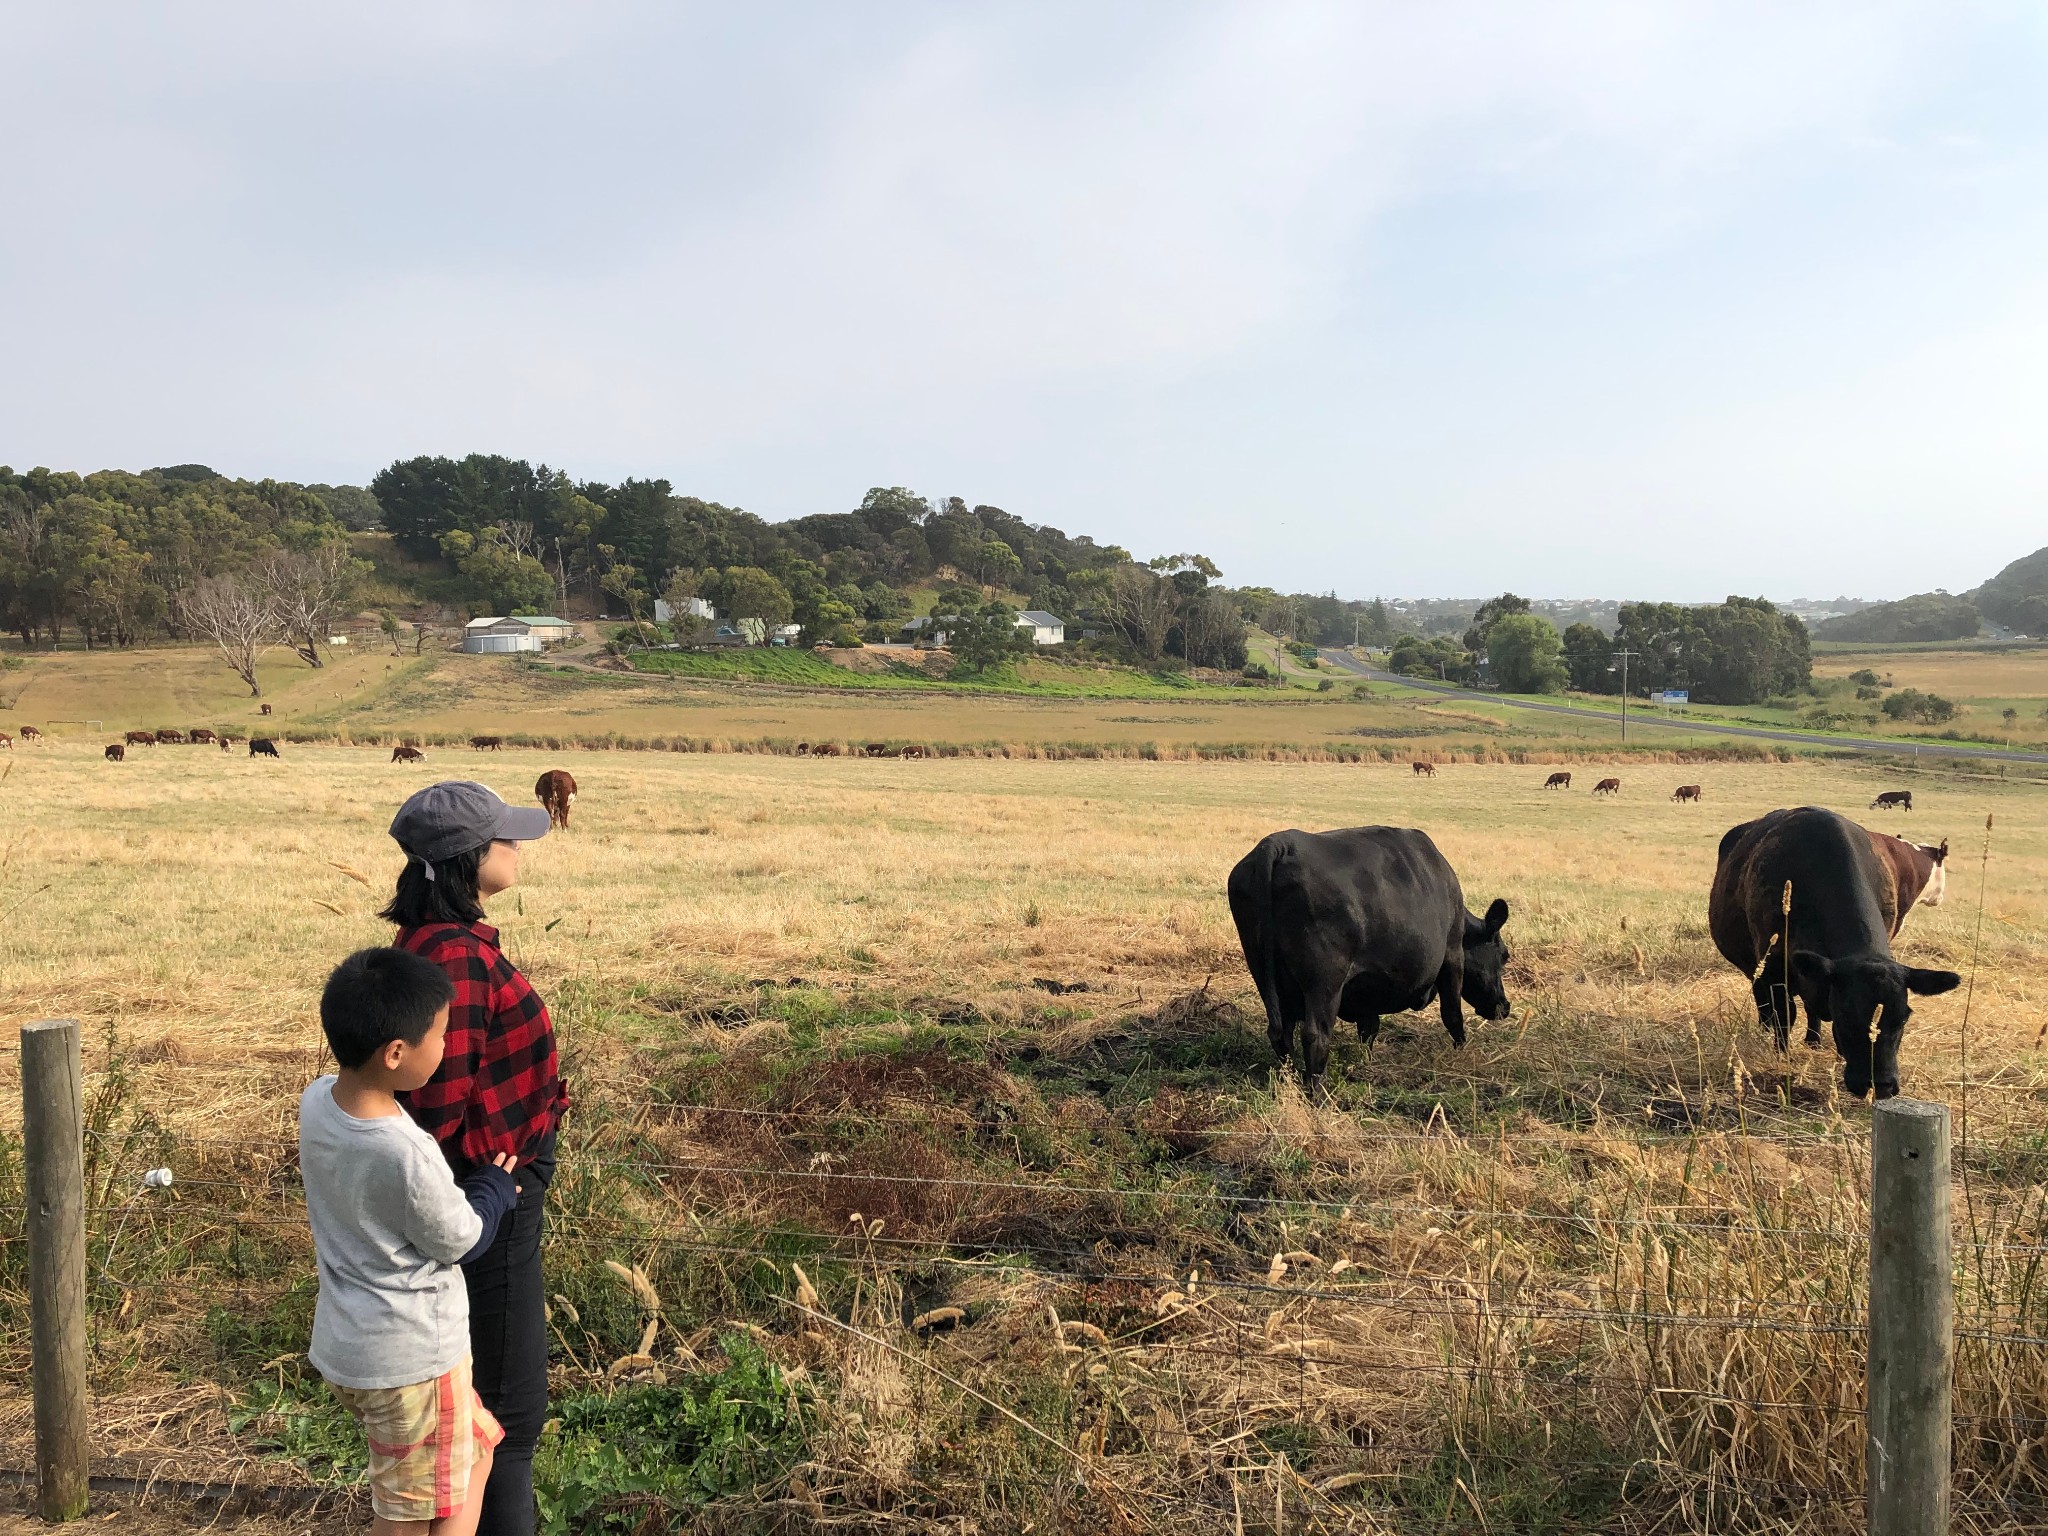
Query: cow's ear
(1941, 853)
(1931, 983)
(1811, 971)
(1496, 917)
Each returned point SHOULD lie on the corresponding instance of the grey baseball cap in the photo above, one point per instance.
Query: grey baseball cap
(457, 815)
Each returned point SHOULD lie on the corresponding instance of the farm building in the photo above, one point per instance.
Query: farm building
(491, 636)
(1046, 628)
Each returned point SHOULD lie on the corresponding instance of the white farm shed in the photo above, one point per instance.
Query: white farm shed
(497, 636)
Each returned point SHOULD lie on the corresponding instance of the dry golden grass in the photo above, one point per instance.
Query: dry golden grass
(1492, 1315)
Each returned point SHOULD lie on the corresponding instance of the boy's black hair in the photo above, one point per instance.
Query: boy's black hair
(450, 897)
(376, 996)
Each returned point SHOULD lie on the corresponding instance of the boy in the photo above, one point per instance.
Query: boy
(391, 1227)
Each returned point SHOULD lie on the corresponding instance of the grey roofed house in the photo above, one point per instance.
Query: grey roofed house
(1046, 628)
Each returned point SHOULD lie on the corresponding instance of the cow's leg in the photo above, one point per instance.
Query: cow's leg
(1450, 988)
(1369, 1028)
(1282, 1009)
(1318, 1019)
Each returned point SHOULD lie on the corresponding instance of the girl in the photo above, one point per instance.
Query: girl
(497, 1093)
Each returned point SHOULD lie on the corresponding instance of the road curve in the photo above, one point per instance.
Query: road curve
(1344, 661)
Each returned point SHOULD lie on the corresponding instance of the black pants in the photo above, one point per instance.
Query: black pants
(508, 1339)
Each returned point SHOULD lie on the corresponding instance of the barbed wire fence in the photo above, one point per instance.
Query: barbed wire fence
(1264, 1361)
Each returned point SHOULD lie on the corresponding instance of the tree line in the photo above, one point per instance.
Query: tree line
(1739, 651)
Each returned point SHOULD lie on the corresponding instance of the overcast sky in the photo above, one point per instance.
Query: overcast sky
(1620, 300)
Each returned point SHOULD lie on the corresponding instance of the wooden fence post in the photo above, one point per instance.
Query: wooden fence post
(1912, 1321)
(53, 1155)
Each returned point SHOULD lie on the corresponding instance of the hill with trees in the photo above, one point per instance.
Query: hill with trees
(1924, 616)
(2017, 596)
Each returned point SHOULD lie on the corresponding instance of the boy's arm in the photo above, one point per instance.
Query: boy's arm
(439, 1220)
(491, 1192)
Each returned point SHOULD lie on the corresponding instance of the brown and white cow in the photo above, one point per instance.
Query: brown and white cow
(6, 741)
(30, 733)
(1607, 787)
(170, 738)
(1893, 800)
(913, 750)
(200, 736)
(556, 791)
(1424, 770)
(1558, 781)
(140, 738)
(486, 743)
(1686, 792)
(1919, 875)
(407, 755)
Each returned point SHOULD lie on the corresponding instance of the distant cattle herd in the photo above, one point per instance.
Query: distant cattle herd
(1360, 923)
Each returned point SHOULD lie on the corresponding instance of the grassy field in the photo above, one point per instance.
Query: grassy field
(853, 1043)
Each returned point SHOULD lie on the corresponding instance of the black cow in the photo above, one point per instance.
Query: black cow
(1359, 923)
(262, 746)
(1841, 964)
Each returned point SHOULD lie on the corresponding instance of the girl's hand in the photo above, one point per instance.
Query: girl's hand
(506, 1161)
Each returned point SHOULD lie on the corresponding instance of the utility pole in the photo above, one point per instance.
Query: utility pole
(1624, 654)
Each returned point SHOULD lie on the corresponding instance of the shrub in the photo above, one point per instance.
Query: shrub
(1923, 708)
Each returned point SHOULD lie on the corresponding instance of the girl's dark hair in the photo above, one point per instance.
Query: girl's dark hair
(450, 897)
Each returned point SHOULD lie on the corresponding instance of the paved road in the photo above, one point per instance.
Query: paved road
(1344, 661)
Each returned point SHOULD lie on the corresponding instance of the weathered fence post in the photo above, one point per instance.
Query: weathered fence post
(1912, 1321)
(53, 1155)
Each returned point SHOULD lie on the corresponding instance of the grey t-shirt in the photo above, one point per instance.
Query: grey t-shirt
(389, 1223)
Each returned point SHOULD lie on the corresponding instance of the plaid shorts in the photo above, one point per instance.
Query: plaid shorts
(424, 1439)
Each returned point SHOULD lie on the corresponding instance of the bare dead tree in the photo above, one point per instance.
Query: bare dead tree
(1144, 605)
(309, 590)
(238, 617)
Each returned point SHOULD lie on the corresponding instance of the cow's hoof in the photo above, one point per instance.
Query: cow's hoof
(1887, 1091)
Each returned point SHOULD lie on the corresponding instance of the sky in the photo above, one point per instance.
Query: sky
(1616, 300)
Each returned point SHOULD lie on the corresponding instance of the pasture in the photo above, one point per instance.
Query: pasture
(927, 1114)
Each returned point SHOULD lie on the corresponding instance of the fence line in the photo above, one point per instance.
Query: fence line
(1846, 1323)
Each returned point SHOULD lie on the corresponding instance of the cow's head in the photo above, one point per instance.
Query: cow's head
(1852, 993)
(1486, 959)
(1937, 880)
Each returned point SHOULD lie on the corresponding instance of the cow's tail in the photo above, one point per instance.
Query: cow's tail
(1279, 856)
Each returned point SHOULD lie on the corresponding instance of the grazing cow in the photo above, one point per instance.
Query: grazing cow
(1838, 958)
(1558, 781)
(878, 749)
(263, 709)
(825, 749)
(913, 751)
(486, 743)
(116, 752)
(140, 738)
(1687, 792)
(1607, 787)
(262, 746)
(407, 755)
(1359, 923)
(227, 742)
(1919, 874)
(30, 733)
(1893, 800)
(556, 791)
(803, 749)
(1424, 770)
(171, 738)
(200, 735)
(6, 741)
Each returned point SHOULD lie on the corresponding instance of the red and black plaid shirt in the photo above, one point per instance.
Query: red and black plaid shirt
(498, 1089)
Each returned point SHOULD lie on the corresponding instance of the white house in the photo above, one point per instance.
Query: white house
(696, 608)
(1045, 628)
(497, 636)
